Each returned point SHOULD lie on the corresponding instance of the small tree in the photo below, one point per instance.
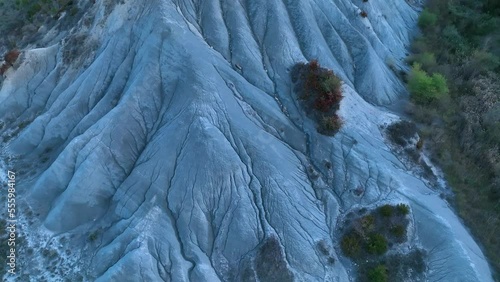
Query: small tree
(332, 123)
(425, 89)
(377, 244)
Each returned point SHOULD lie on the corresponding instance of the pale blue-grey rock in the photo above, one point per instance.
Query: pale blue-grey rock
(164, 142)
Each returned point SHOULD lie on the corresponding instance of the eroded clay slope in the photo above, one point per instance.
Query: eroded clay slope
(161, 141)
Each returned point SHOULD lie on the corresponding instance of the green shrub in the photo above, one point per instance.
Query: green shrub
(427, 19)
(331, 83)
(332, 123)
(367, 223)
(378, 274)
(93, 236)
(386, 210)
(376, 244)
(351, 244)
(439, 84)
(403, 209)
(425, 89)
(398, 231)
(321, 95)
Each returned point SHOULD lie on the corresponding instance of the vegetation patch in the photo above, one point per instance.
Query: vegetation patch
(386, 210)
(376, 244)
(401, 132)
(398, 267)
(9, 60)
(351, 244)
(378, 274)
(424, 88)
(461, 128)
(371, 241)
(319, 91)
(92, 237)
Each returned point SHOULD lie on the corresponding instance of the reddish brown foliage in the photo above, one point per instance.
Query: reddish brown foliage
(11, 56)
(4, 68)
(324, 98)
(312, 81)
(326, 101)
(314, 65)
(322, 92)
(363, 14)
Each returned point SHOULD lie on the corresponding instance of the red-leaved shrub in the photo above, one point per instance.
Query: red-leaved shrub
(326, 101)
(324, 86)
(322, 94)
(314, 65)
(11, 56)
(312, 82)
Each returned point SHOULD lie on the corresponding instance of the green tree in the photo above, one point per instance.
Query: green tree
(378, 274)
(425, 89)
(377, 244)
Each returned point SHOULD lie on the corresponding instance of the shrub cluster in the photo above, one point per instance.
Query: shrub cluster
(324, 86)
(370, 235)
(351, 244)
(321, 96)
(385, 210)
(332, 123)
